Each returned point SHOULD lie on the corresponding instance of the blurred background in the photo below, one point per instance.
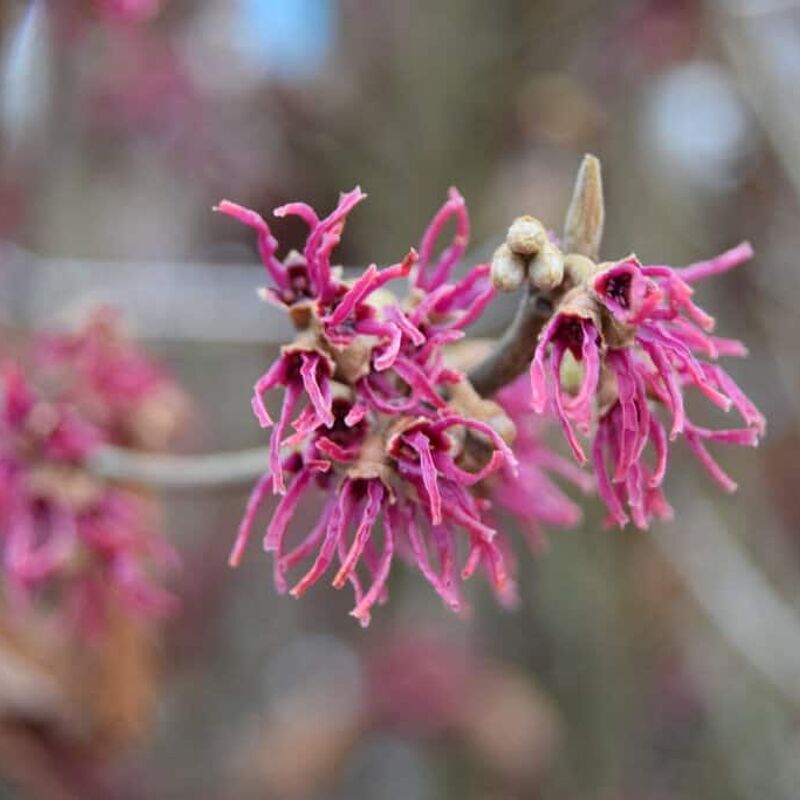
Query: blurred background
(650, 666)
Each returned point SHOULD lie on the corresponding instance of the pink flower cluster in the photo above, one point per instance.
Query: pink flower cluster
(69, 541)
(376, 422)
(639, 341)
(112, 383)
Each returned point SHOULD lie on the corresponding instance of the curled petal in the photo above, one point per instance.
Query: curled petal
(357, 292)
(581, 405)
(658, 437)
(356, 413)
(428, 472)
(301, 210)
(386, 357)
(338, 522)
(287, 505)
(323, 239)
(335, 451)
(315, 381)
(505, 453)
(669, 344)
(276, 375)
(267, 244)
(454, 207)
(394, 314)
(289, 402)
(378, 398)
(604, 488)
(704, 457)
(375, 496)
(557, 398)
(254, 503)
(420, 553)
(307, 546)
(743, 404)
(373, 594)
(717, 265)
(419, 382)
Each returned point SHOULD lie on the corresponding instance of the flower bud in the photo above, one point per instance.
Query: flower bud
(508, 269)
(546, 270)
(526, 236)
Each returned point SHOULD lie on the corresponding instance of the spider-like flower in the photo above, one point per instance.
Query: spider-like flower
(74, 543)
(639, 341)
(389, 432)
(614, 342)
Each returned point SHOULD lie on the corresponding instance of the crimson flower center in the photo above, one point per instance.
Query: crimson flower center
(618, 289)
(570, 333)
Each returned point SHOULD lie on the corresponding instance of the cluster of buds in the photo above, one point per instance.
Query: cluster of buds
(375, 422)
(72, 543)
(528, 254)
(624, 339)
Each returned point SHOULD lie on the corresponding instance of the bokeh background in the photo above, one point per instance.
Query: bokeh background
(651, 666)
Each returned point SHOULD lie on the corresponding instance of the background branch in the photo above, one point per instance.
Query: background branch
(179, 472)
(736, 597)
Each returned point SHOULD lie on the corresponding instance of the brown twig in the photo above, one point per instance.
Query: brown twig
(515, 350)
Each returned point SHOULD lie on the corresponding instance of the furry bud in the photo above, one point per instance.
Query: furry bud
(526, 236)
(546, 269)
(508, 269)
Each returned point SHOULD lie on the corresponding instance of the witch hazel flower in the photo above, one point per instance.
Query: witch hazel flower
(623, 341)
(405, 475)
(383, 437)
(654, 343)
(70, 542)
(337, 325)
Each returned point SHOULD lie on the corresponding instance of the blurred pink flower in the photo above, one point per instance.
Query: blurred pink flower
(74, 19)
(111, 381)
(128, 10)
(417, 682)
(69, 541)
